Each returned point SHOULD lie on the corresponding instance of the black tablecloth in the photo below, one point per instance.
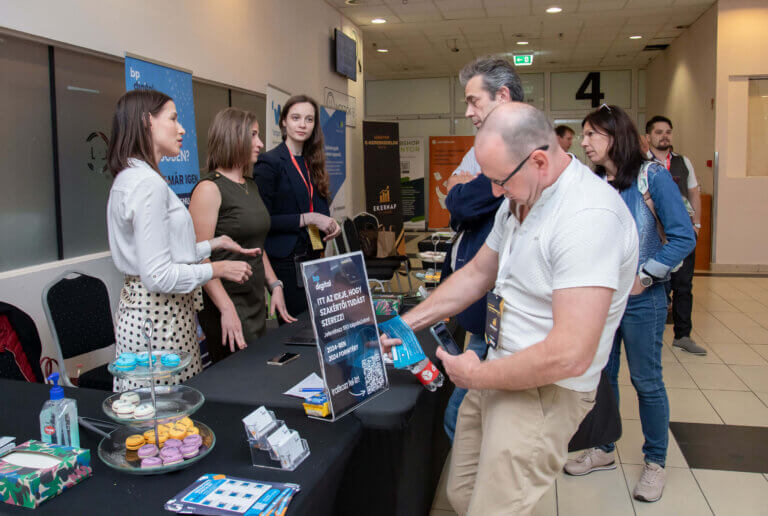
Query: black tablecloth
(112, 492)
(395, 467)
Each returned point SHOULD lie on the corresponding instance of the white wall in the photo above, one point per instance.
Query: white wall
(680, 84)
(741, 207)
(243, 43)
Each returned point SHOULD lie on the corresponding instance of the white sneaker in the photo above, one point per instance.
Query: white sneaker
(593, 459)
(651, 483)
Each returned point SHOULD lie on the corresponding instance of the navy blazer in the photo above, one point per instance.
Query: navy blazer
(473, 208)
(286, 198)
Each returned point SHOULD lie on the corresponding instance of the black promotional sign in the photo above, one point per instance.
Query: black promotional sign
(345, 329)
(381, 158)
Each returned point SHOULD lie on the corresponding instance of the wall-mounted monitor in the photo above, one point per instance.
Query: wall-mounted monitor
(346, 55)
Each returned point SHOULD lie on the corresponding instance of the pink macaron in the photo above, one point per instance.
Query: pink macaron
(151, 462)
(172, 443)
(170, 453)
(193, 440)
(189, 450)
(146, 451)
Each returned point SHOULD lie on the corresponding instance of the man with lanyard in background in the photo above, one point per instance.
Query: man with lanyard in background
(659, 136)
(488, 82)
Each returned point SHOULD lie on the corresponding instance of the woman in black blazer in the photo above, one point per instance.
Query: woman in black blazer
(294, 186)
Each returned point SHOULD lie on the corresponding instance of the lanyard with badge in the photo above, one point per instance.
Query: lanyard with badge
(314, 233)
(495, 302)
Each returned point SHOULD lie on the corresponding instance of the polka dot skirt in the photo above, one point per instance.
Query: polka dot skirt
(174, 327)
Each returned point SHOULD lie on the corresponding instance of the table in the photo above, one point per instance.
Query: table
(320, 475)
(396, 465)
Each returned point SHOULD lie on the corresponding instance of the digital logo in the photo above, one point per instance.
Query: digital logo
(276, 112)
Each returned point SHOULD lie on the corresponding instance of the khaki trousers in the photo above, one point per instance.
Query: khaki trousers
(510, 446)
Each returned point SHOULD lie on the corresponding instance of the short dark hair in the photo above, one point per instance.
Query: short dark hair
(131, 133)
(562, 129)
(654, 120)
(497, 72)
(625, 151)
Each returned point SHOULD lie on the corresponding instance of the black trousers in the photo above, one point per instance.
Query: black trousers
(682, 297)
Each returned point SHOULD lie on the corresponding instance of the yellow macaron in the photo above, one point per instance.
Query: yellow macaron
(193, 430)
(149, 436)
(185, 421)
(178, 432)
(134, 442)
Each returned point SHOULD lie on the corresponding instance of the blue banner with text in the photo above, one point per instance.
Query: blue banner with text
(183, 171)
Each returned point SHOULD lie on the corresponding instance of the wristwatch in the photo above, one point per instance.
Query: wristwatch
(275, 284)
(697, 226)
(646, 280)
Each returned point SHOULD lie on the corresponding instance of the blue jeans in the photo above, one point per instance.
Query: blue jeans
(478, 345)
(641, 329)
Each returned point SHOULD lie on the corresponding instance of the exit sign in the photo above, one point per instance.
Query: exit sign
(523, 60)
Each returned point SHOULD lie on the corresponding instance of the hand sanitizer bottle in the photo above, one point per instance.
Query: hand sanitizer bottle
(58, 418)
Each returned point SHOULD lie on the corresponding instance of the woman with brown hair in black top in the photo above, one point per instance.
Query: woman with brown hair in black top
(227, 201)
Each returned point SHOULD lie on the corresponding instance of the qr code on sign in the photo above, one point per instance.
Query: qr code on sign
(374, 373)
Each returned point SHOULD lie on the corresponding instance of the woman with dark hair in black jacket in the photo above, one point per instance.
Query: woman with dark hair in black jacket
(295, 188)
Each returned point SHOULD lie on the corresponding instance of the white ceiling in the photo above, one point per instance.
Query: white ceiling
(586, 34)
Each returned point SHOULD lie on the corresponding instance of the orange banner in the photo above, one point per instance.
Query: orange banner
(445, 155)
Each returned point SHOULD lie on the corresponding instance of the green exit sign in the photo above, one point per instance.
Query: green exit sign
(523, 59)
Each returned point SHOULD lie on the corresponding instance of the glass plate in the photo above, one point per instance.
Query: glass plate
(113, 453)
(172, 402)
(158, 371)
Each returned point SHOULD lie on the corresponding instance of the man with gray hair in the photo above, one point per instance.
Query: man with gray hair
(574, 247)
(488, 82)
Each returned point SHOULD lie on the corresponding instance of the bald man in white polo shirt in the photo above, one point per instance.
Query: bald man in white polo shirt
(562, 255)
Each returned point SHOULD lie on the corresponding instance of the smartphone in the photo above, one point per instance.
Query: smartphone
(283, 358)
(443, 335)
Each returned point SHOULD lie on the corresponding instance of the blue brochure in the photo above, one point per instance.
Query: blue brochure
(407, 353)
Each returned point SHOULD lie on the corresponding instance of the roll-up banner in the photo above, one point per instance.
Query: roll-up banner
(334, 124)
(183, 171)
(381, 158)
(276, 99)
(445, 155)
(412, 182)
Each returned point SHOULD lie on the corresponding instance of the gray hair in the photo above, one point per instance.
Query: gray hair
(497, 72)
(521, 127)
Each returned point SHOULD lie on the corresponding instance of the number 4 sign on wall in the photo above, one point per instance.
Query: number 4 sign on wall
(592, 81)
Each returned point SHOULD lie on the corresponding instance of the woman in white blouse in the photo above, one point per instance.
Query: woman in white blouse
(152, 237)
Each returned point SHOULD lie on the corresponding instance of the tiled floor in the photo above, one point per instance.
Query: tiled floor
(729, 386)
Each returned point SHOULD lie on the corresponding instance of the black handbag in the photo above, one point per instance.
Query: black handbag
(602, 425)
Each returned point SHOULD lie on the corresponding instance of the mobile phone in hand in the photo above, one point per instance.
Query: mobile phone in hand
(443, 335)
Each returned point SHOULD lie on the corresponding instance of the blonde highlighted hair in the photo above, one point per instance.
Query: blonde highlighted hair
(229, 140)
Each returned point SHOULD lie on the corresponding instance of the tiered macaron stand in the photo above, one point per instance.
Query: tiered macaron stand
(170, 403)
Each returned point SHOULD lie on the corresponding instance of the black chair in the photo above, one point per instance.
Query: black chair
(26, 333)
(78, 312)
(379, 269)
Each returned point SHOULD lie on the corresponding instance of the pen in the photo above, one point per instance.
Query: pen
(312, 389)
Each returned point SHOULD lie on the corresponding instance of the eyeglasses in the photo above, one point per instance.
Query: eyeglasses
(504, 181)
(606, 106)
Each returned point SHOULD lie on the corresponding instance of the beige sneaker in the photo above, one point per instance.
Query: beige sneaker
(593, 459)
(651, 483)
